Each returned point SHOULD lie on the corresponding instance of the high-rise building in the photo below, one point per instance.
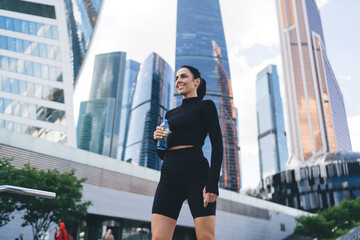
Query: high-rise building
(36, 74)
(272, 142)
(150, 102)
(314, 103)
(131, 73)
(99, 119)
(200, 42)
(82, 17)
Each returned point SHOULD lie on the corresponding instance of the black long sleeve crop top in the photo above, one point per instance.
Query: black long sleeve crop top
(190, 123)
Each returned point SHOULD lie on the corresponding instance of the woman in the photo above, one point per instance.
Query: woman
(185, 172)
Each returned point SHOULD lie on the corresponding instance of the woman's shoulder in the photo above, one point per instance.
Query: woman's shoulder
(172, 111)
(208, 103)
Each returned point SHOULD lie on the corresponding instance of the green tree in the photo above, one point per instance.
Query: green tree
(353, 209)
(7, 201)
(39, 212)
(253, 193)
(313, 226)
(339, 215)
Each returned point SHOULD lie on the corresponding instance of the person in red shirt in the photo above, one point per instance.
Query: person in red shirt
(62, 234)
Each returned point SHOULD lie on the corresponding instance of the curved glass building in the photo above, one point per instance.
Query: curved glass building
(150, 102)
(99, 124)
(82, 17)
(200, 42)
(322, 182)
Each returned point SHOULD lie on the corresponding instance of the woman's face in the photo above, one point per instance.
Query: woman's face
(185, 83)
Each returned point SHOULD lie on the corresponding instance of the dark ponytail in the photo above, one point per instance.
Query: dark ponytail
(201, 90)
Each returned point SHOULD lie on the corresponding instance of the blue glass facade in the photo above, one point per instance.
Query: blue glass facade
(131, 73)
(200, 42)
(82, 17)
(273, 152)
(103, 111)
(322, 182)
(150, 101)
(34, 71)
(95, 125)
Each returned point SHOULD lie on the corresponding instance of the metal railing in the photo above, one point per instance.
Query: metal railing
(27, 191)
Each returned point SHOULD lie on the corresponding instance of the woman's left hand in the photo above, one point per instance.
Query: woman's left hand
(209, 197)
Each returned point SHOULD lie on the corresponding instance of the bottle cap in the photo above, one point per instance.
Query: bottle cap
(165, 120)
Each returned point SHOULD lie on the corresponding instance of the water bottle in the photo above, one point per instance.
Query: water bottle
(162, 142)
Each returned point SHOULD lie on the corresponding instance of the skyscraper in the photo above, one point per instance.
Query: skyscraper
(150, 102)
(36, 76)
(99, 119)
(82, 17)
(131, 73)
(200, 42)
(270, 121)
(314, 103)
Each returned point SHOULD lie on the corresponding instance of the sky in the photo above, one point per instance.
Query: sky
(139, 27)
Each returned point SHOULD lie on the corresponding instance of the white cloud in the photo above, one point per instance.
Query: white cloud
(354, 129)
(322, 3)
(248, 23)
(347, 78)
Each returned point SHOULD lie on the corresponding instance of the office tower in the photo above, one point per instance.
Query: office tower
(82, 16)
(99, 119)
(36, 75)
(200, 42)
(150, 102)
(314, 103)
(131, 73)
(270, 121)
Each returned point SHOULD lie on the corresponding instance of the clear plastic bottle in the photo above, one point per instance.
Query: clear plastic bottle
(162, 142)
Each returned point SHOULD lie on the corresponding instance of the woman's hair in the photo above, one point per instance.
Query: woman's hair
(201, 90)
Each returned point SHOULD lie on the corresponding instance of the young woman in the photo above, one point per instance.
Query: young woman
(185, 172)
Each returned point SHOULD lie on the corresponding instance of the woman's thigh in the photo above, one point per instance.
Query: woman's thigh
(205, 228)
(162, 227)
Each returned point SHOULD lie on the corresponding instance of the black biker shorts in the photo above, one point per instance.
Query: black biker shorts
(184, 174)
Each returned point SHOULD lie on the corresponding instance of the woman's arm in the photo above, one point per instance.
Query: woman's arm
(213, 127)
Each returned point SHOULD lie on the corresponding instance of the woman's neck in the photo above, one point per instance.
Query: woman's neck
(190, 95)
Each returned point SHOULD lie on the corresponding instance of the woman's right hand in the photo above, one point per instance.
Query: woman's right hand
(159, 133)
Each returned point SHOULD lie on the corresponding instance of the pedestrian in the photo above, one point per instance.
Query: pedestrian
(185, 172)
(108, 235)
(61, 234)
(21, 237)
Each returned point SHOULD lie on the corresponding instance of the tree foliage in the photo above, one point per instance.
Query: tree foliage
(39, 212)
(313, 226)
(7, 202)
(253, 193)
(325, 224)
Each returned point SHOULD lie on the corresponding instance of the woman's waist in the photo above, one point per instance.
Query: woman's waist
(184, 150)
(184, 142)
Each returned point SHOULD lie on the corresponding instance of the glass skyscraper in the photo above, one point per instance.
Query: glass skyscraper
(131, 73)
(36, 75)
(151, 100)
(314, 103)
(99, 119)
(270, 121)
(82, 17)
(200, 42)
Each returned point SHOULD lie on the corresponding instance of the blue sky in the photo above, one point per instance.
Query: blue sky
(251, 32)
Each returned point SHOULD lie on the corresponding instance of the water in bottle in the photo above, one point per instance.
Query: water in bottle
(162, 142)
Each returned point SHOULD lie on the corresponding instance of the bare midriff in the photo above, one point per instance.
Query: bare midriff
(180, 147)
